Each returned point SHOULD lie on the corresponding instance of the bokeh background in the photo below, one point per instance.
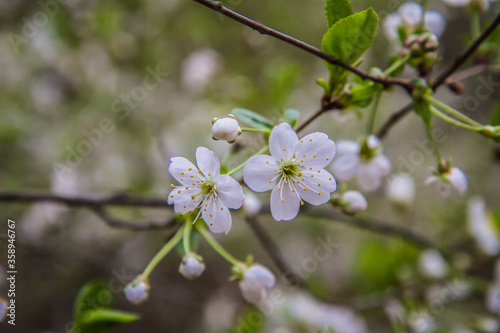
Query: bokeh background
(67, 66)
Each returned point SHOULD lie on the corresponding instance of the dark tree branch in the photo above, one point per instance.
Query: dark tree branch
(394, 119)
(378, 227)
(327, 105)
(265, 30)
(144, 225)
(84, 201)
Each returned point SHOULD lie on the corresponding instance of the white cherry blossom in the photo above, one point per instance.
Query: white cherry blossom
(294, 171)
(205, 188)
(453, 178)
(481, 226)
(226, 129)
(364, 161)
(256, 282)
(252, 204)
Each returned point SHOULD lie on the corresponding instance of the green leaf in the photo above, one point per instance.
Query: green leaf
(252, 119)
(291, 116)
(495, 120)
(93, 295)
(347, 40)
(336, 10)
(102, 320)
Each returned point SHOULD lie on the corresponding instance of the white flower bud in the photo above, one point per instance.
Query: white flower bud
(353, 202)
(435, 22)
(432, 264)
(400, 189)
(455, 177)
(137, 291)
(3, 309)
(252, 205)
(412, 13)
(191, 266)
(256, 280)
(226, 129)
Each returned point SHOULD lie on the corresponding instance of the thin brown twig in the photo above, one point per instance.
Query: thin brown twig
(327, 105)
(143, 225)
(265, 30)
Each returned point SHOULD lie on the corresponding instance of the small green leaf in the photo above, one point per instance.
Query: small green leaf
(347, 40)
(336, 10)
(365, 91)
(93, 295)
(495, 120)
(102, 320)
(423, 108)
(252, 119)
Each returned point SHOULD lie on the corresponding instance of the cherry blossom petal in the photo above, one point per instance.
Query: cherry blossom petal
(347, 147)
(282, 142)
(260, 173)
(230, 191)
(316, 150)
(391, 24)
(345, 166)
(184, 171)
(216, 215)
(285, 204)
(383, 164)
(458, 179)
(369, 177)
(412, 13)
(316, 185)
(435, 22)
(208, 162)
(181, 198)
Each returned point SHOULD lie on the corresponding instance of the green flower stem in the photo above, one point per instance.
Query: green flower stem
(455, 122)
(373, 113)
(215, 245)
(260, 130)
(445, 107)
(262, 151)
(186, 235)
(475, 23)
(434, 145)
(398, 63)
(163, 252)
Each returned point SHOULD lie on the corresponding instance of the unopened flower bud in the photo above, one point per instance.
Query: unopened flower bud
(137, 291)
(255, 283)
(353, 202)
(191, 266)
(400, 189)
(432, 264)
(226, 129)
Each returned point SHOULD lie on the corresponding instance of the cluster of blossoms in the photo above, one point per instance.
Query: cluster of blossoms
(294, 172)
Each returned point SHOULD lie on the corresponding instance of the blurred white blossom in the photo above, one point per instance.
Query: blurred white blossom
(481, 226)
(401, 189)
(454, 178)
(432, 264)
(252, 204)
(410, 17)
(199, 68)
(364, 161)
